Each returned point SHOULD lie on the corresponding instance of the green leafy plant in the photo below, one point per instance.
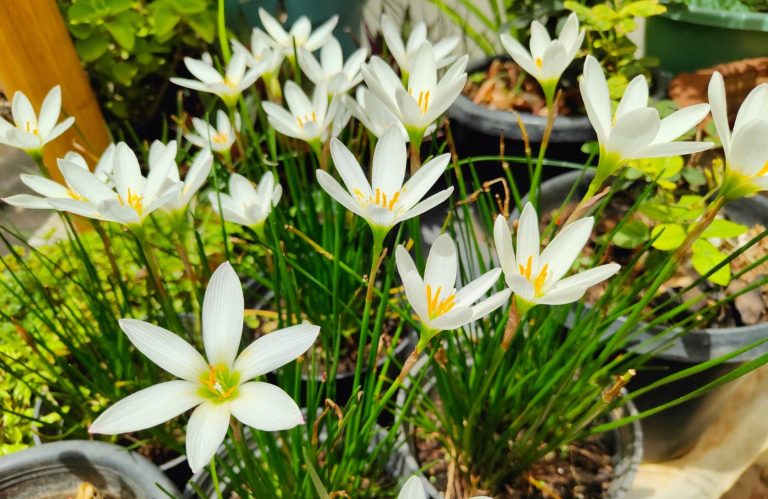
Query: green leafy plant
(131, 48)
(607, 25)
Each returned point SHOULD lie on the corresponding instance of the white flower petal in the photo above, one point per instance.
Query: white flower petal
(442, 264)
(563, 250)
(413, 489)
(147, 408)
(470, 293)
(349, 169)
(635, 96)
(485, 307)
(337, 192)
(49, 112)
(205, 432)
(389, 159)
(223, 316)
(502, 238)
(266, 407)
(680, 122)
(166, 349)
(274, 350)
(528, 238)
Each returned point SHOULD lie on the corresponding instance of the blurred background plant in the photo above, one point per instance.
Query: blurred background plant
(130, 49)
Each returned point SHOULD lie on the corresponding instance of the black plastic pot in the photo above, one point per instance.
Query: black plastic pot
(477, 130)
(58, 469)
(625, 444)
(674, 432)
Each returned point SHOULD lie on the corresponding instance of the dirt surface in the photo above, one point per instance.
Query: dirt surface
(582, 470)
(500, 87)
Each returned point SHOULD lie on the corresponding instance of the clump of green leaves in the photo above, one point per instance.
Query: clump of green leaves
(607, 25)
(131, 48)
(673, 216)
(728, 5)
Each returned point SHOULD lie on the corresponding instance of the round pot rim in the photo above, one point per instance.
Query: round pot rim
(574, 129)
(100, 454)
(744, 21)
(677, 350)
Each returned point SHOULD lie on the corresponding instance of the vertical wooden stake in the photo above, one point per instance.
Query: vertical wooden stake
(37, 54)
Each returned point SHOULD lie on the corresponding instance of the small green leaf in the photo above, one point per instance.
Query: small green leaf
(694, 176)
(723, 228)
(123, 73)
(643, 8)
(705, 256)
(92, 48)
(122, 32)
(631, 235)
(118, 6)
(165, 20)
(204, 25)
(188, 7)
(670, 236)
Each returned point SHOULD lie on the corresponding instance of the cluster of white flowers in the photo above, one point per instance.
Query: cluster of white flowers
(395, 108)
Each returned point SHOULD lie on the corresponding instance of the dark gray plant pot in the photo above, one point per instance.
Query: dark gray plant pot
(57, 469)
(495, 122)
(675, 431)
(625, 443)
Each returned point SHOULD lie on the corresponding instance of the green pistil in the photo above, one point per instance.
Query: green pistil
(219, 384)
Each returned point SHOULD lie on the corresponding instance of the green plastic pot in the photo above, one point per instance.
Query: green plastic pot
(687, 38)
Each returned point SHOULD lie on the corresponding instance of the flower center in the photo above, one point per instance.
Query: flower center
(437, 307)
(134, 200)
(220, 138)
(539, 62)
(538, 281)
(219, 384)
(379, 199)
(231, 84)
(423, 101)
(303, 120)
(31, 127)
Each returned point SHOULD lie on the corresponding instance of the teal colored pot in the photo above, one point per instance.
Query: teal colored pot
(687, 38)
(243, 15)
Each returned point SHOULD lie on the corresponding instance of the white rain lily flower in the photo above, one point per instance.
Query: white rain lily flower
(425, 98)
(404, 53)
(219, 138)
(635, 131)
(547, 59)
(29, 131)
(337, 76)
(49, 189)
(372, 113)
(413, 489)
(246, 205)
(746, 157)
(384, 202)
(218, 386)
(136, 196)
(299, 36)
(435, 299)
(310, 121)
(537, 278)
(196, 176)
(262, 53)
(236, 79)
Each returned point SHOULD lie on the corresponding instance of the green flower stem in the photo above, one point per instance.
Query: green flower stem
(221, 27)
(377, 256)
(550, 98)
(215, 478)
(416, 139)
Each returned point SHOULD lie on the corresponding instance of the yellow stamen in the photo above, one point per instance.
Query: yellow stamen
(539, 62)
(134, 201)
(526, 271)
(75, 195)
(32, 128)
(303, 120)
(763, 171)
(538, 283)
(435, 307)
(393, 201)
(220, 138)
(230, 83)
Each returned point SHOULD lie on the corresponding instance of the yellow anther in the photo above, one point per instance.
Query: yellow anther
(435, 307)
(526, 271)
(539, 62)
(31, 127)
(75, 195)
(220, 138)
(134, 201)
(763, 170)
(393, 201)
(538, 283)
(230, 83)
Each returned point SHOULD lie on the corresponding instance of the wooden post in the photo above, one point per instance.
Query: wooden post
(37, 53)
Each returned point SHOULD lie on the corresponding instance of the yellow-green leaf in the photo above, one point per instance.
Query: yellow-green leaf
(724, 228)
(670, 236)
(705, 256)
